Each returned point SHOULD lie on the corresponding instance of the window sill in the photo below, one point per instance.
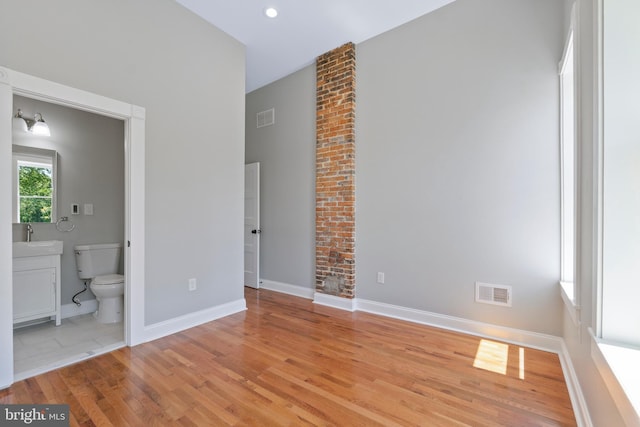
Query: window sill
(618, 367)
(567, 293)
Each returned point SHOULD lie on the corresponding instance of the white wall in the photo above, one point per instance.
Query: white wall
(90, 151)
(158, 55)
(286, 152)
(457, 175)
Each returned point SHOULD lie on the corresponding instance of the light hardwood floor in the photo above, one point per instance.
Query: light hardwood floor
(287, 361)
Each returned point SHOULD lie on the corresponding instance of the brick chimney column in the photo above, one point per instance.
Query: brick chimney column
(335, 172)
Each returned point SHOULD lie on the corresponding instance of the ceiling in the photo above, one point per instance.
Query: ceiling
(303, 29)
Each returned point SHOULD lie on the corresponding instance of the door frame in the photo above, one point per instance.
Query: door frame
(17, 83)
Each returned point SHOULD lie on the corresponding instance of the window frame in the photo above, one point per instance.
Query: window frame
(569, 168)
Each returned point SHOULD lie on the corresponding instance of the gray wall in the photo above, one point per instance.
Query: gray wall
(183, 71)
(90, 170)
(286, 152)
(457, 165)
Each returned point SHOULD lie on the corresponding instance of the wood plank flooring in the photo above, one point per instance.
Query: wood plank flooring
(287, 361)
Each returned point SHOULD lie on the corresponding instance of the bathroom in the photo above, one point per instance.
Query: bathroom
(90, 192)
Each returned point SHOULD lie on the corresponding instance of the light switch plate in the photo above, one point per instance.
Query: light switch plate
(88, 208)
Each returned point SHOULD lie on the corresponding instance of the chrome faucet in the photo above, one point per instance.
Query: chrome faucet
(29, 231)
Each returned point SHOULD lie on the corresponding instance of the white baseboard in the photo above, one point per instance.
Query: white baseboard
(178, 324)
(71, 310)
(486, 330)
(286, 288)
(578, 402)
(335, 302)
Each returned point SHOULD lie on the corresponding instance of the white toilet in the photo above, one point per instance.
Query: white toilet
(100, 264)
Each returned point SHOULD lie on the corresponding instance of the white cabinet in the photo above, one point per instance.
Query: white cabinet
(36, 288)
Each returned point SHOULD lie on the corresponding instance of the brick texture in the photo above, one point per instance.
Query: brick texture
(335, 172)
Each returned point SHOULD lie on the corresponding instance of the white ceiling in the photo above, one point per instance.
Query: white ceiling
(304, 29)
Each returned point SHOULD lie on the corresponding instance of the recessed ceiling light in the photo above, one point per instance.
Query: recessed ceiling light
(271, 12)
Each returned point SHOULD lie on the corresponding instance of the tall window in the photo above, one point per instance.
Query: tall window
(620, 270)
(568, 161)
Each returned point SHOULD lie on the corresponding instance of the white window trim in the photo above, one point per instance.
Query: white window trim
(568, 290)
(568, 297)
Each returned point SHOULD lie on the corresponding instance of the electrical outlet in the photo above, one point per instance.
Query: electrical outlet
(380, 277)
(192, 285)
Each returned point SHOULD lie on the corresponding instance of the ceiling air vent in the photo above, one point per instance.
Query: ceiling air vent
(266, 118)
(493, 294)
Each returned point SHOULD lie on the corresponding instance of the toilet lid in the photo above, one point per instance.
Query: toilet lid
(108, 279)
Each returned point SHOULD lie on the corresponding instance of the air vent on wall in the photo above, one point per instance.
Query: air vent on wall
(266, 118)
(493, 294)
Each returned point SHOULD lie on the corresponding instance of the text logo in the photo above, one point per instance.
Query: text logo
(34, 415)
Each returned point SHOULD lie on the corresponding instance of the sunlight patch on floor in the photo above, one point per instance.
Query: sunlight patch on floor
(494, 357)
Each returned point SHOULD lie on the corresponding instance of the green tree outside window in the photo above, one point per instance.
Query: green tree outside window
(35, 193)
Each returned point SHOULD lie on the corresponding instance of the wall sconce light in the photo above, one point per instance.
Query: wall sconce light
(36, 126)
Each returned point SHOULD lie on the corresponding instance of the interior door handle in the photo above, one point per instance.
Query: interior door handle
(256, 231)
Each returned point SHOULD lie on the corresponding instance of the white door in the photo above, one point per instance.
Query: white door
(252, 225)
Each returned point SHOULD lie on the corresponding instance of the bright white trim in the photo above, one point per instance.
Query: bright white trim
(181, 323)
(578, 401)
(335, 302)
(135, 228)
(514, 336)
(567, 294)
(72, 310)
(618, 367)
(598, 161)
(286, 288)
(569, 155)
(6, 260)
(13, 82)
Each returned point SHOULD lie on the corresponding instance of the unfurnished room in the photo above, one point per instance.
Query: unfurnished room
(348, 213)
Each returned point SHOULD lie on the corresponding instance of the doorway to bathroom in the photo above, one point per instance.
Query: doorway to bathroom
(131, 119)
(87, 207)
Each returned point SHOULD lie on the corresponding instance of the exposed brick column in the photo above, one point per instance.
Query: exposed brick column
(335, 172)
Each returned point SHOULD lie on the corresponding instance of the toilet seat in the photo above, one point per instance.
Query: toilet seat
(108, 279)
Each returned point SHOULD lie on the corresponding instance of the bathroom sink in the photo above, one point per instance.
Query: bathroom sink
(45, 247)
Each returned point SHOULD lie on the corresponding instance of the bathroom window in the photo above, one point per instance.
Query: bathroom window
(34, 186)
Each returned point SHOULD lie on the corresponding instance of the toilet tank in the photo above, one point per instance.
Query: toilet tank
(96, 260)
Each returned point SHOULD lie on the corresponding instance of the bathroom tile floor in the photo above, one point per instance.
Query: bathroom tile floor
(43, 347)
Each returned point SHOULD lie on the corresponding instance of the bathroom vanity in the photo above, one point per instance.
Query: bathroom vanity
(36, 281)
